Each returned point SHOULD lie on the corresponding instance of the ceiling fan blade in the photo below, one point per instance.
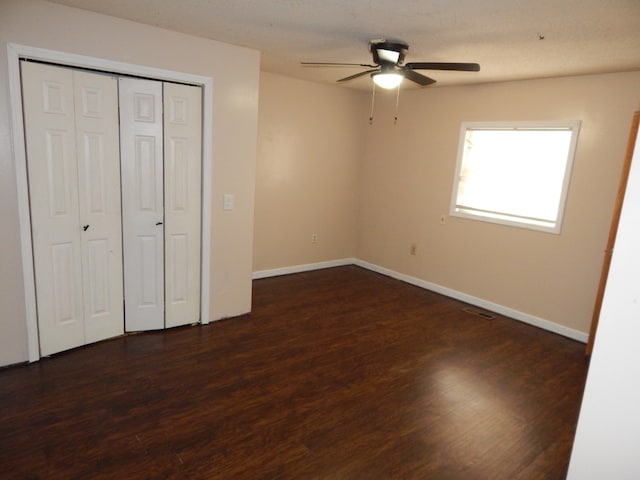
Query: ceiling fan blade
(335, 64)
(361, 74)
(461, 67)
(420, 79)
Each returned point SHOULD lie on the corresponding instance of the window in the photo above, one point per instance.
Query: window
(514, 173)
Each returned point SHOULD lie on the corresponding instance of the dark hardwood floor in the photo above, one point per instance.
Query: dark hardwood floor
(336, 374)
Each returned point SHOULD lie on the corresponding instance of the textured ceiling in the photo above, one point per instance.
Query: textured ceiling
(503, 36)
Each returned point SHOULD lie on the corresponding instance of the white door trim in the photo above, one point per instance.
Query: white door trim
(14, 53)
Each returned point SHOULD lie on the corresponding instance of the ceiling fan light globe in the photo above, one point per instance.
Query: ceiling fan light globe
(387, 80)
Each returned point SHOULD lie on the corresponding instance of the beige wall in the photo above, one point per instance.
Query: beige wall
(309, 148)
(408, 176)
(235, 73)
(306, 169)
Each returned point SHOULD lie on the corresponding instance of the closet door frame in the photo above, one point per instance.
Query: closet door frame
(15, 53)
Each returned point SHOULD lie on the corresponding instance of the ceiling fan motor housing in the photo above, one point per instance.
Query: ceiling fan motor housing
(388, 52)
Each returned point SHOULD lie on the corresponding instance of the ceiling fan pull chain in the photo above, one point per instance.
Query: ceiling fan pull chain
(373, 98)
(395, 119)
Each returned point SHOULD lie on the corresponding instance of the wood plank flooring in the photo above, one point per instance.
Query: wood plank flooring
(336, 374)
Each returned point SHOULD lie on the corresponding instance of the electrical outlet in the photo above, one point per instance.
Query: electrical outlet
(413, 249)
(314, 238)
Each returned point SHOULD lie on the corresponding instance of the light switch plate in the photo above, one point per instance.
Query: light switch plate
(227, 201)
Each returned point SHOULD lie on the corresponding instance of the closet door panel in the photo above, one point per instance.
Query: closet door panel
(98, 153)
(182, 190)
(142, 202)
(48, 106)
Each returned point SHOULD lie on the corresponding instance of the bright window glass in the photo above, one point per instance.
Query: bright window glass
(514, 173)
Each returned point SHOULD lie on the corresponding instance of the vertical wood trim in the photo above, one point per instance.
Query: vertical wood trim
(24, 214)
(206, 187)
(608, 253)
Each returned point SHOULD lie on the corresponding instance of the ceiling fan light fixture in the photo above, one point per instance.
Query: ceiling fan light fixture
(387, 80)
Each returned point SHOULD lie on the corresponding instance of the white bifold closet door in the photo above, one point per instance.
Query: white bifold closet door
(161, 188)
(182, 202)
(71, 124)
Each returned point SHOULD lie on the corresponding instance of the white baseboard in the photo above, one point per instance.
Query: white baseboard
(463, 297)
(478, 302)
(303, 268)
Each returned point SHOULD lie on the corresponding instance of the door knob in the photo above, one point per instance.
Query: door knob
(85, 227)
(158, 223)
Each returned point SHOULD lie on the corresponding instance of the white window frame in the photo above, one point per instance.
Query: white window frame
(506, 219)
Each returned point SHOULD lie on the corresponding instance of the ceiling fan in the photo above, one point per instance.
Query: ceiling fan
(388, 70)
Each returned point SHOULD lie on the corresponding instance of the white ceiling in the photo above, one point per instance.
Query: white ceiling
(503, 36)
